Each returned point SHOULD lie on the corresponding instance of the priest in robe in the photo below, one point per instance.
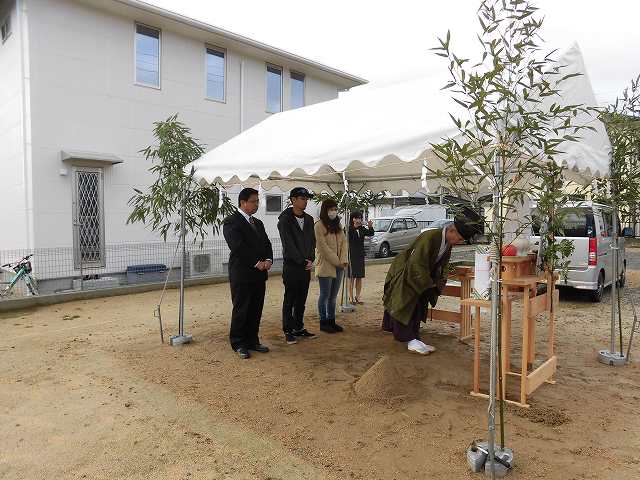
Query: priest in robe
(415, 280)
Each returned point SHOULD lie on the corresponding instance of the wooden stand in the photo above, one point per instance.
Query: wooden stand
(477, 304)
(532, 306)
(515, 267)
(463, 316)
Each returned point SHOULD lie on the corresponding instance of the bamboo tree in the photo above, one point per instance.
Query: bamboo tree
(511, 124)
(173, 188)
(621, 190)
(622, 121)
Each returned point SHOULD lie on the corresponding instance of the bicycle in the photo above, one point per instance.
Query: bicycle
(23, 270)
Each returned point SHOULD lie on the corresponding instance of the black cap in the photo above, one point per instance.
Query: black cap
(300, 192)
(465, 228)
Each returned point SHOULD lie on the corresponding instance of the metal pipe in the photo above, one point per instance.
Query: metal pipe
(184, 266)
(614, 282)
(346, 305)
(241, 96)
(633, 329)
(495, 285)
(620, 324)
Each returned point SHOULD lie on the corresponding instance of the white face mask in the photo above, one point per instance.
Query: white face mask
(332, 214)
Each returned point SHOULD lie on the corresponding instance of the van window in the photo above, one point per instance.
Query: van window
(578, 222)
(411, 223)
(605, 229)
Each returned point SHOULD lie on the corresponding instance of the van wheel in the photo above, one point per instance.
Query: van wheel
(596, 295)
(385, 250)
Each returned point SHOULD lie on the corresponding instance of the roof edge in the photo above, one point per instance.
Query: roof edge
(240, 39)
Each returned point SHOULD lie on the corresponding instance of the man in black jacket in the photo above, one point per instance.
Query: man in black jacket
(298, 252)
(250, 260)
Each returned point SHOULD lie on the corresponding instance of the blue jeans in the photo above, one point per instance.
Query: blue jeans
(329, 288)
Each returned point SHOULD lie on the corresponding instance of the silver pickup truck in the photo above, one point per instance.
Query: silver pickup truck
(590, 227)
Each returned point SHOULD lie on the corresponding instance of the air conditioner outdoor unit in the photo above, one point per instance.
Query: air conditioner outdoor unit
(200, 263)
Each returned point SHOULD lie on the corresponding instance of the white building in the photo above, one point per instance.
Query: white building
(81, 84)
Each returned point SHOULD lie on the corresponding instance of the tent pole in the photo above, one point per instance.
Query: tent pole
(611, 357)
(345, 303)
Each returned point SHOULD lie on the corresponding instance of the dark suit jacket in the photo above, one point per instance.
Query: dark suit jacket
(248, 247)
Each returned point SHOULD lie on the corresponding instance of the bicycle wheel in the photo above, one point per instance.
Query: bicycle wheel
(32, 284)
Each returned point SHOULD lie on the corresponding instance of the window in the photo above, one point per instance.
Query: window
(274, 203)
(5, 28)
(411, 223)
(607, 216)
(297, 90)
(576, 222)
(88, 218)
(147, 56)
(274, 89)
(398, 225)
(215, 74)
(381, 224)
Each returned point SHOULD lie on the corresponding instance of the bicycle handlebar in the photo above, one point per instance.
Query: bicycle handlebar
(16, 262)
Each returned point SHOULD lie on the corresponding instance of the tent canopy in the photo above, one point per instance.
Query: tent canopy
(377, 137)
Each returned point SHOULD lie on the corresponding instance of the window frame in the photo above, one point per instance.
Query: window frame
(304, 88)
(266, 87)
(208, 47)
(398, 221)
(6, 21)
(135, 57)
(407, 221)
(266, 204)
(77, 254)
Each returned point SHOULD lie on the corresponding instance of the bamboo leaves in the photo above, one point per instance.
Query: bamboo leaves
(159, 207)
(506, 108)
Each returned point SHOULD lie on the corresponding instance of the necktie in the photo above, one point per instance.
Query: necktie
(253, 223)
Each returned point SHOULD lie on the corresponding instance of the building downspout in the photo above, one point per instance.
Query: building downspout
(25, 74)
(241, 95)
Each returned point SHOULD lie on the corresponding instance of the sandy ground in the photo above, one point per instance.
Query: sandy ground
(88, 391)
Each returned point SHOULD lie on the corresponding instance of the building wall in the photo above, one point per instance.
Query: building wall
(84, 98)
(14, 210)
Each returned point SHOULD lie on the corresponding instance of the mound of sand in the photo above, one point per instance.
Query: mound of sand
(381, 382)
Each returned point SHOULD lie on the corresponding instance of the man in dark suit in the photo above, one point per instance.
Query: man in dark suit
(250, 260)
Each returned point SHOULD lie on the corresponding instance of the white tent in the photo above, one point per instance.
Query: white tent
(376, 136)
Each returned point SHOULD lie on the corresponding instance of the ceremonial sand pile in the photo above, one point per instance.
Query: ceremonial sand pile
(381, 382)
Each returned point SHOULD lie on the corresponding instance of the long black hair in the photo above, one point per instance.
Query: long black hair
(354, 215)
(332, 226)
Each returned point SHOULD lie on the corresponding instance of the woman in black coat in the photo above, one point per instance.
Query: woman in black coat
(357, 232)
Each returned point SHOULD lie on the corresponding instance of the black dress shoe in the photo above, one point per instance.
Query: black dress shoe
(244, 353)
(260, 348)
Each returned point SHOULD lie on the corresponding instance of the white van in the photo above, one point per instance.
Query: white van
(590, 227)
